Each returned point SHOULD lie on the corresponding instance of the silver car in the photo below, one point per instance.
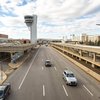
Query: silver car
(69, 77)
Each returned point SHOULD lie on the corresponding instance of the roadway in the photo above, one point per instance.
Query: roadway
(34, 81)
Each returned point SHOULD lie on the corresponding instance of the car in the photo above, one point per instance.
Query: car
(5, 90)
(48, 63)
(46, 45)
(69, 77)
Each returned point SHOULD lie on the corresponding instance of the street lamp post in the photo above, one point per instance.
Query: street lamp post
(98, 24)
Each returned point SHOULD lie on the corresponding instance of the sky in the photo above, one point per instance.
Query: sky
(56, 18)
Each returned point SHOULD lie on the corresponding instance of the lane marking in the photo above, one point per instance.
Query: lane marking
(27, 71)
(65, 90)
(42, 68)
(55, 68)
(88, 90)
(43, 90)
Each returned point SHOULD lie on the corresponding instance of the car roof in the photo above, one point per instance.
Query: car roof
(47, 60)
(68, 71)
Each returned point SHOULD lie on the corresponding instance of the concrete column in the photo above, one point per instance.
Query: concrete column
(63, 48)
(34, 30)
(11, 57)
(80, 52)
(93, 65)
(94, 57)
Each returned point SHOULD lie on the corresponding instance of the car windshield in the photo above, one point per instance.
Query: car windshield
(1, 93)
(70, 75)
(48, 61)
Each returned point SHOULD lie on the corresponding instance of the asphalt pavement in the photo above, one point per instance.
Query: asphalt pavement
(34, 81)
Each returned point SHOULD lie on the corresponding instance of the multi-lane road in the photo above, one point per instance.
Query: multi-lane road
(34, 81)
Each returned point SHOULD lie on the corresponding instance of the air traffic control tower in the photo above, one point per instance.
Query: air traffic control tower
(31, 22)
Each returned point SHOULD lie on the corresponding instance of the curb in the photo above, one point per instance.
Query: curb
(84, 68)
(4, 78)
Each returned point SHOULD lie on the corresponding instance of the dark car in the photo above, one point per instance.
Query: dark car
(48, 63)
(5, 90)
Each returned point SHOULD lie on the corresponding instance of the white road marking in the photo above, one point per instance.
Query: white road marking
(65, 90)
(55, 68)
(87, 90)
(43, 90)
(27, 70)
(42, 68)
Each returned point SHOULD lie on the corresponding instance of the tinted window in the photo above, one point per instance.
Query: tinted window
(1, 93)
(65, 73)
(70, 75)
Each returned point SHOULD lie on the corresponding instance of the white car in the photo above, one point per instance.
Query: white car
(69, 77)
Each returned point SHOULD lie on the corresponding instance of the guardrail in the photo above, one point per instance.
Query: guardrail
(95, 49)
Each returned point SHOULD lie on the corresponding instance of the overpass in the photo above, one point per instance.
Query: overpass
(16, 50)
(89, 54)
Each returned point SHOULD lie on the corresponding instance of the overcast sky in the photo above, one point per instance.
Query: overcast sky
(56, 18)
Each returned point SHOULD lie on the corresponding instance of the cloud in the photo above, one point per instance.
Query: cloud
(62, 17)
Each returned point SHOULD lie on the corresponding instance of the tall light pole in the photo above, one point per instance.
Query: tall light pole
(31, 22)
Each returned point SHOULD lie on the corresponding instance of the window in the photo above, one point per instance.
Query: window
(1, 93)
(70, 75)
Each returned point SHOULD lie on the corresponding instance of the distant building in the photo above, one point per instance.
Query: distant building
(93, 38)
(3, 36)
(22, 41)
(86, 38)
(76, 38)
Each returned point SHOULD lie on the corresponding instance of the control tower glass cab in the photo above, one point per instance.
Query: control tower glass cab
(31, 22)
(28, 20)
